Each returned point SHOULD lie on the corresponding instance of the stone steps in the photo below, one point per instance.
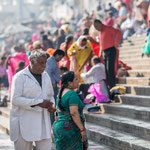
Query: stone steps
(145, 81)
(138, 44)
(134, 41)
(139, 73)
(134, 127)
(129, 56)
(4, 111)
(138, 100)
(132, 53)
(125, 125)
(96, 146)
(140, 66)
(136, 89)
(130, 111)
(115, 139)
(5, 143)
(136, 38)
(137, 61)
(131, 48)
(4, 124)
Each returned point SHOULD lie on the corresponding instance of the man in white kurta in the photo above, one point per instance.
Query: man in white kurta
(32, 98)
(96, 73)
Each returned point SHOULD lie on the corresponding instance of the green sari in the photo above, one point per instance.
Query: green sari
(146, 47)
(66, 134)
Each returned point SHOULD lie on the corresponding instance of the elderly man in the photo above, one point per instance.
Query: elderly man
(32, 100)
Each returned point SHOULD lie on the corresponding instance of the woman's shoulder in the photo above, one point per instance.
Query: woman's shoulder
(73, 47)
(72, 92)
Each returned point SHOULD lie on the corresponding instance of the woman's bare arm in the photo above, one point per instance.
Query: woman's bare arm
(76, 117)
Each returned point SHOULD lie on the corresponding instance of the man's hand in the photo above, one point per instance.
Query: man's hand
(92, 40)
(45, 104)
(100, 53)
(54, 85)
(116, 46)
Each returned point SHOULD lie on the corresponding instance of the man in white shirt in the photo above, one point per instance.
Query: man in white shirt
(96, 73)
(32, 100)
(128, 26)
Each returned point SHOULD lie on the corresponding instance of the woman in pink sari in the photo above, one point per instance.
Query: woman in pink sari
(13, 62)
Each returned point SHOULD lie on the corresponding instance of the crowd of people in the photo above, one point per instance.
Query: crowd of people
(44, 73)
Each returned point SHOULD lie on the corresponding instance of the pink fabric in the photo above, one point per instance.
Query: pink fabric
(94, 89)
(13, 64)
(128, 3)
(34, 37)
(109, 22)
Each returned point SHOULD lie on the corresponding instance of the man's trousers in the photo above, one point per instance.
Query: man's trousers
(21, 144)
(109, 62)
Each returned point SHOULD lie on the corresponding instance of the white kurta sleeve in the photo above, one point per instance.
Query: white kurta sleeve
(18, 99)
(89, 73)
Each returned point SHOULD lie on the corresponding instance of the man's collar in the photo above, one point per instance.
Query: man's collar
(27, 71)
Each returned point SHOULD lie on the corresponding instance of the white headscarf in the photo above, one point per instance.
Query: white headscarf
(79, 41)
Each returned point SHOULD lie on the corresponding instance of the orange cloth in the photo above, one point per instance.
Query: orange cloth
(50, 51)
(109, 37)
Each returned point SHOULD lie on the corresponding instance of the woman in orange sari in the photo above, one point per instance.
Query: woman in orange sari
(65, 62)
(80, 54)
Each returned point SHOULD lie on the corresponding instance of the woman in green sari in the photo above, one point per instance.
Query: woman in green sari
(69, 130)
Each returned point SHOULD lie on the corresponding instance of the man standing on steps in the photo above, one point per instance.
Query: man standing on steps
(109, 40)
(32, 100)
(54, 73)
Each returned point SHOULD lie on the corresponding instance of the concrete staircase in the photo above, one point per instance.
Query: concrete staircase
(126, 126)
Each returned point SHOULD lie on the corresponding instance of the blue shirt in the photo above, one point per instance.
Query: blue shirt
(122, 12)
(53, 70)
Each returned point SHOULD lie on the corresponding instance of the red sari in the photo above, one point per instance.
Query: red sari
(65, 62)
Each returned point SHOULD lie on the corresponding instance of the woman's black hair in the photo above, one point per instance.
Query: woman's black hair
(96, 59)
(84, 39)
(66, 77)
(65, 69)
(86, 31)
(21, 64)
(97, 21)
(68, 39)
(59, 52)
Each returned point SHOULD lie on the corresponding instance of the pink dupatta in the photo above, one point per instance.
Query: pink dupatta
(13, 64)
